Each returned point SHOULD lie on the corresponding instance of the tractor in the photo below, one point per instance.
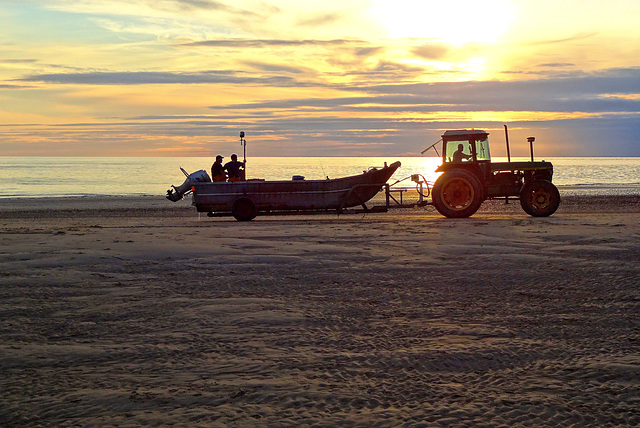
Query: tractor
(469, 177)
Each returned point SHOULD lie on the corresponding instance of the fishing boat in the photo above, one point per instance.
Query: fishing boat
(247, 199)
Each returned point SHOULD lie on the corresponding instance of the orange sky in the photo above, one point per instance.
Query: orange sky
(343, 78)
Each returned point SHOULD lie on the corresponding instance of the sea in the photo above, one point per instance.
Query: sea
(38, 177)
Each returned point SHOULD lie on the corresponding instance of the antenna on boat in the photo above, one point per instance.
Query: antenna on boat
(243, 143)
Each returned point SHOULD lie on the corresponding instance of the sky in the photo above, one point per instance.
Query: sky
(330, 78)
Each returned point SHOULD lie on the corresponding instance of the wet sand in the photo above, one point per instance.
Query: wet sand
(137, 311)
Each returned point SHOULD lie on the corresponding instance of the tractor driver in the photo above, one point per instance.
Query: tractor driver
(458, 156)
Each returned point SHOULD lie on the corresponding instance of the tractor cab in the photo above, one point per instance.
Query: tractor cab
(465, 146)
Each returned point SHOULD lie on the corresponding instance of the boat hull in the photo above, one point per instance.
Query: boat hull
(295, 195)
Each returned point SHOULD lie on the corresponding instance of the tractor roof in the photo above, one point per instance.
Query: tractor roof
(462, 132)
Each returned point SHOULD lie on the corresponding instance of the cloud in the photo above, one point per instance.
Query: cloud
(17, 61)
(276, 68)
(557, 65)
(580, 36)
(581, 93)
(198, 4)
(395, 67)
(319, 20)
(260, 43)
(327, 103)
(431, 51)
(158, 78)
(143, 8)
(10, 87)
(611, 92)
(367, 51)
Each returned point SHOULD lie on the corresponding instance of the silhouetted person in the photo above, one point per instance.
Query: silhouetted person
(234, 168)
(458, 155)
(217, 170)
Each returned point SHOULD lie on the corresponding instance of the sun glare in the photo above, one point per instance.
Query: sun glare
(454, 22)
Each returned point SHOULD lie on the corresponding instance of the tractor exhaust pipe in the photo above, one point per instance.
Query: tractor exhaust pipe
(506, 137)
(531, 140)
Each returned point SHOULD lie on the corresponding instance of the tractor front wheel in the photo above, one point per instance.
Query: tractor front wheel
(539, 198)
(457, 194)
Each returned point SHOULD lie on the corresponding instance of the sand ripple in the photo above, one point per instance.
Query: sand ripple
(401, 319)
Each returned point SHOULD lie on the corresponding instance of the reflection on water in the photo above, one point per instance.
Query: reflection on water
(59, 176)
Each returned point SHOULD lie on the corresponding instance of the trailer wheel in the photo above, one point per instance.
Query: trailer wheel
(244, 209)
(539, 198)
(457, 194)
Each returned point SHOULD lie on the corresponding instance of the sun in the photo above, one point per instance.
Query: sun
(453, 22)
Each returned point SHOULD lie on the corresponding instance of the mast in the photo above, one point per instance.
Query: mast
(243, 143)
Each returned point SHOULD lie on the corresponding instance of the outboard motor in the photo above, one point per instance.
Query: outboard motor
(177, 193)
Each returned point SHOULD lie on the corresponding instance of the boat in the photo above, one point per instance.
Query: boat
(245, 200)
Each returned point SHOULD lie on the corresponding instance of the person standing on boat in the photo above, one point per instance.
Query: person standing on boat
(217, 170)
(233, 169)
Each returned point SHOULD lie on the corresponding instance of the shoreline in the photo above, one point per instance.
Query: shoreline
(627, 189)
(148, 206)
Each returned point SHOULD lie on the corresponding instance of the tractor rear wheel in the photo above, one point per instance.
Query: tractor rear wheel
(539, 198)
(457, 194)
(244, 209)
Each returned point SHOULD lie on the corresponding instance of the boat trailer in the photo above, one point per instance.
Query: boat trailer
(393, 199)
(422, 187)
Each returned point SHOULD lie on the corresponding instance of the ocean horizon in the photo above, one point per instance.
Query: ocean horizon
(38, 177)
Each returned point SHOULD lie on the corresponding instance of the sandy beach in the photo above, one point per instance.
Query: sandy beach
(140, 312)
